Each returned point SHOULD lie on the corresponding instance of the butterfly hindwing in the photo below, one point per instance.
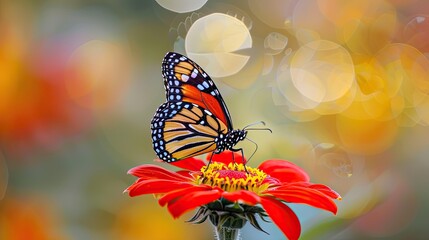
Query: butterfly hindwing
(183, 129)
(185, 81)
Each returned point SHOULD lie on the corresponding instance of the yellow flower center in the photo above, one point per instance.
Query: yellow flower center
(233, 177)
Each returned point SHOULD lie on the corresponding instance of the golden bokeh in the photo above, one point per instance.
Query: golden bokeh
(29, 218)
(98, 73)
(212, 40)
(182, 6)
(322, 71)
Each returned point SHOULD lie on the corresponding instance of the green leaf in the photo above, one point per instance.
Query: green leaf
(252, 219)
(200, 213)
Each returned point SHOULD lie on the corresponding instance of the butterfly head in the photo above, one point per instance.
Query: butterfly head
(238, 134)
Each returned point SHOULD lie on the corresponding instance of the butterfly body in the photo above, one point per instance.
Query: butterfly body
(228, 141)
(195, 119)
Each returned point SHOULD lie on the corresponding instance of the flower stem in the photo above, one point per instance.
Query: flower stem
(227, 233)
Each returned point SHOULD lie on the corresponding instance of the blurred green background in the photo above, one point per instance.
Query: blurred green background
(344, 85)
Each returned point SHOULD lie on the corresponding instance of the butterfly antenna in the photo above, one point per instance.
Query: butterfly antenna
(264, 129)
(248, 127)
(253, 124)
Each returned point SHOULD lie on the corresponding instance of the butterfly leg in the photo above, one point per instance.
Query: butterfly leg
(242, 155)
(210, 161)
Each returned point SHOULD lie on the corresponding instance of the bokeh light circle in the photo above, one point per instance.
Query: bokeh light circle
(322, 71)
(416, 32)
(299, 107)
(99, 72)
(309, 21)
(363, 26)
(366, 137)
(182, 6)
(395, 79)
(275, 42)
(288, 90)
(274, 13)
(212, 40)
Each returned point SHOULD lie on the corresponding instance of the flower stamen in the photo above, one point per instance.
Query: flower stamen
(233, 177)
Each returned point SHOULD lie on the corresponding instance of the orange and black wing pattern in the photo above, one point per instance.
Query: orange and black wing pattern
(185, 81)
(183, 129)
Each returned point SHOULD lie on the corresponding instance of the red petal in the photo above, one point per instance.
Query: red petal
(149, 171)
(327, 191)
(152, 186)
(308, 196)
(243, 195)
(282, 216)
(171, 196)
(192, 200)
(188, 174)
(284, 171)
(226, 157)
(319, 187)
(192, 164)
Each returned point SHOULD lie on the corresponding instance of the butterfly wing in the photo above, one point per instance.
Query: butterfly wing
(183, 129)
(185, 81)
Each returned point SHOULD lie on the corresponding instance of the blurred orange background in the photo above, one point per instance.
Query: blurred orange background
(344, 85)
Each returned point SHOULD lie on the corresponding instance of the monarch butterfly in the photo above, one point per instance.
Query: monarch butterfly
(195, 119)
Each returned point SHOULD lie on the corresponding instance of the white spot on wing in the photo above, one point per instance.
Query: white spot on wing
(194, 73)
(185, 77)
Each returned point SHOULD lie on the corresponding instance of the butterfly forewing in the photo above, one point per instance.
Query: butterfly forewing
(183, 129)
(185, 81)
(195, 119)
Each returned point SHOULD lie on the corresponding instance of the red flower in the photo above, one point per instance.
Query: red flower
(218, 188)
